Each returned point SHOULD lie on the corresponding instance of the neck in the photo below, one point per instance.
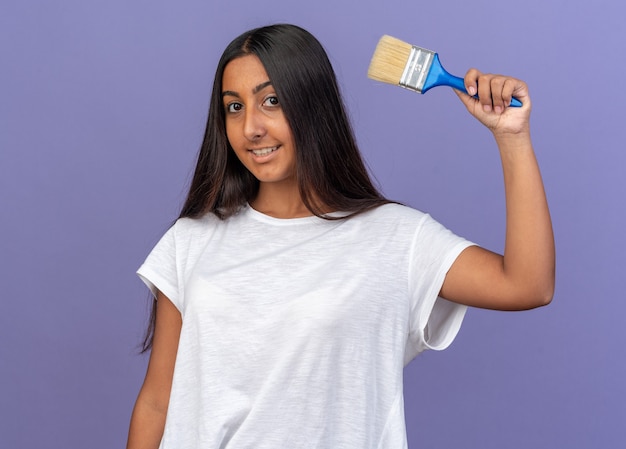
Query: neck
(279, 202)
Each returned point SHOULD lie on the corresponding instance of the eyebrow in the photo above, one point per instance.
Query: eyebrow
(256, 90)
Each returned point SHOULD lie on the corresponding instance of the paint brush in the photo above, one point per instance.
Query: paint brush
(401, 64)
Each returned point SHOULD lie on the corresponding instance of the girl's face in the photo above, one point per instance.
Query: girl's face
(255, 125)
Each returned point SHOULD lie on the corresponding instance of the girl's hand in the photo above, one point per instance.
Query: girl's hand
(491, 107)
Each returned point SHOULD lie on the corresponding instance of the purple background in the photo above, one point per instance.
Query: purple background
(102, 108)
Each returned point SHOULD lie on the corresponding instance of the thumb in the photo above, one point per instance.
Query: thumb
(465, 98)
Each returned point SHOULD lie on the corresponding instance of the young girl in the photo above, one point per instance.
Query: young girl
(290, 293)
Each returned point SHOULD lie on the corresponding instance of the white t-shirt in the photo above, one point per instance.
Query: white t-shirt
(296, 331)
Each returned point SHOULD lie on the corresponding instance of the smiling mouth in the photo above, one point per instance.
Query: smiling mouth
(264, 151)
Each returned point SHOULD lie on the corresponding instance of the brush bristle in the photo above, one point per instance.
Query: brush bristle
(389, 60)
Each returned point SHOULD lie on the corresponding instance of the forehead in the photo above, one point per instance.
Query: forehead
(243, 74)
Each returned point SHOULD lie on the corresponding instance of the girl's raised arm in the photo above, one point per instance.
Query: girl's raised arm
(522, 278)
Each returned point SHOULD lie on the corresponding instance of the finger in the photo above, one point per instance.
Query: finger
(484, 92)
(471, 81)
(497, 94)
(519, 90)
(508, 89)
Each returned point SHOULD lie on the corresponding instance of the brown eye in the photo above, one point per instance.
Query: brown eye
(271, 101)
(234, 107)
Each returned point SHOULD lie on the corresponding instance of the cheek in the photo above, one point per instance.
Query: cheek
(231, 135)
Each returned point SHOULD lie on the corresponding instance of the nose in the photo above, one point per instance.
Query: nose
(254, 124)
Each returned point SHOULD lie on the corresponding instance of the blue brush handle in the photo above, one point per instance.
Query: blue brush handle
(437, 76)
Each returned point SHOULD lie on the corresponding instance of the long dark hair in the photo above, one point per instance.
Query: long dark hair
(330, 172)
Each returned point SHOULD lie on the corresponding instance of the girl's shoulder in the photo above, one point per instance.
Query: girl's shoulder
(193, 227)
(395, 212)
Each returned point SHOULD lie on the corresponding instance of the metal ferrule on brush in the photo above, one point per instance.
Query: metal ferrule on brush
(417, 68)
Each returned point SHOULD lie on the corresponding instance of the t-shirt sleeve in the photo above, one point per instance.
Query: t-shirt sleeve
(159, 270)
(434, 321)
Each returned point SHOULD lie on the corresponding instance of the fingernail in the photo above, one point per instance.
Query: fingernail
(486, 108)
(471, 90)
(498, 109)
